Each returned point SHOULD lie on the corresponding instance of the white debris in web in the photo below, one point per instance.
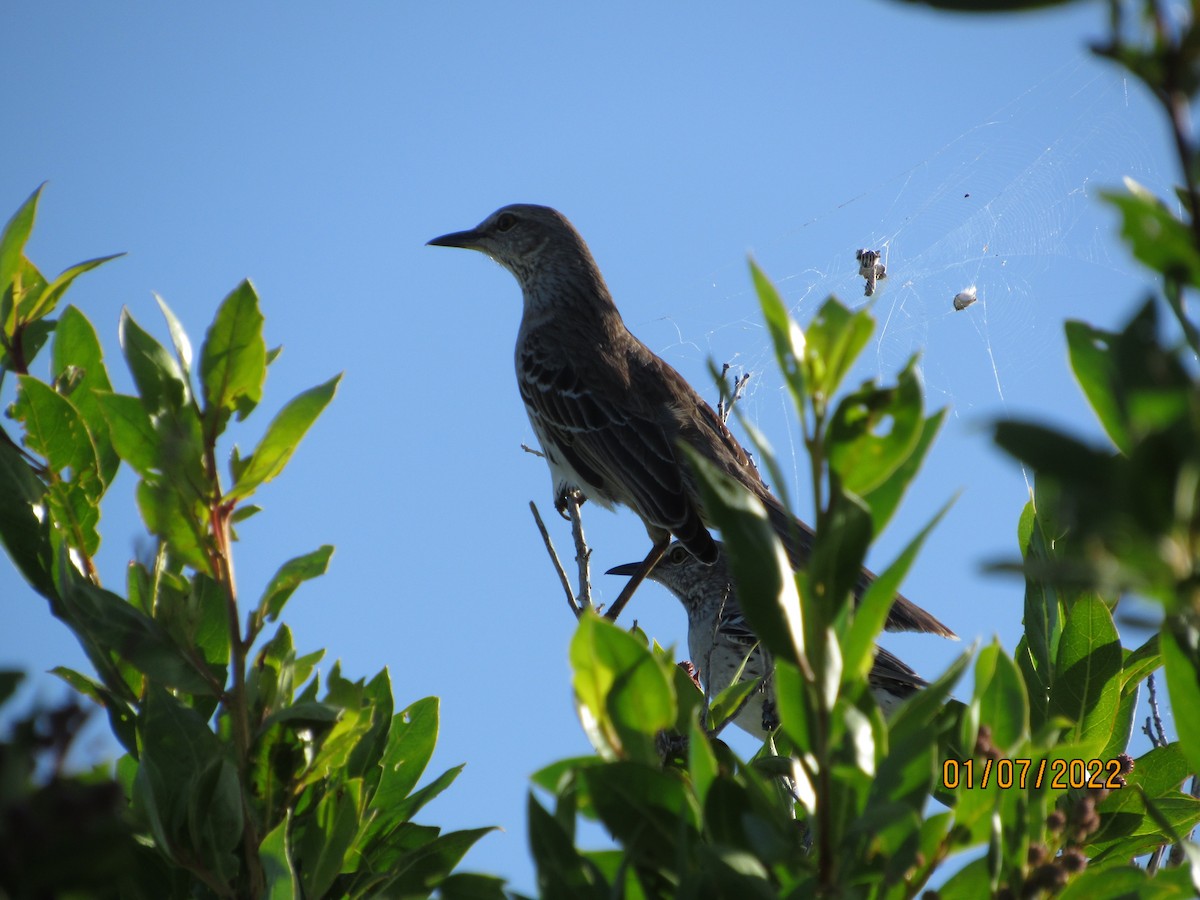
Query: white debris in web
(963, 299)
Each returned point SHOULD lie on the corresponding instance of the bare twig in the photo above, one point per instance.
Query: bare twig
(529, 449)
(725, 407)
(583, 553)
(1157, 734)
(562, 574)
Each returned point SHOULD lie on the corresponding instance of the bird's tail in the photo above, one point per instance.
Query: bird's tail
(798, 539)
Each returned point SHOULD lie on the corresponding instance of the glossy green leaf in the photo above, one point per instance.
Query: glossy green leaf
(214, 816)
(321, 847)
(278, 869)
(885, 498)
(873, 607)
(282, 437)
(76, 345)
(130, 431)
(621, 690)
(54, 291)
(1087, 689)
(118, 627)
(23, 531)
(233, 360)
(760, 567)
(835, 338)
(55, 430)
(1094, 368)
(1050, 452)
(875, 430)
(410, 744)
(1141, 662)
(1156, 237)
(785, 335)
(175, 745)
(290, 576)
(181, 524)
(561, 870)
(1002, 700)
(14, 236)
(647, 809)
(1183, 686)
(159, 380)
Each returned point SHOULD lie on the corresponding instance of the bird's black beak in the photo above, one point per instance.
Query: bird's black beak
(624, 569)
(468, 240)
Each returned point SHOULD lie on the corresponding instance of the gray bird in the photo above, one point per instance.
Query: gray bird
(609, 414)
(720, 640)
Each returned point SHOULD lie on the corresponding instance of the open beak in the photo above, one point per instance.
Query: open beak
(468, 240)
(624, 569)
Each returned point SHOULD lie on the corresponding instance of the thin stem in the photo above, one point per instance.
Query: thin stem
(558, 567)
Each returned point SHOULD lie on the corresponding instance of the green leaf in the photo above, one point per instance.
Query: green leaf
(14, 236)
(159, 380)
(55, 430)
(1087, 689)
(425, 868)
(1156, 237)
(1183, 686)
(884, 498)
(214, 816)
(290, 576)
(875, 430)
(53, 292)
(321, 848)
(623, 695)
(647, 809)
(282, 883)
(76, 345)
(131, 431)
(180, 523)
(1094, 368)
(175, 746)
(179, 338)
(873, 608)
(1141, 662)
(785, 334)
(836, 336)
(233, 360)
(702, 762)
(761, 572)
(23, 531)
(1000, 691)
(116, 626)
(410, 744)
(282, 437)
(561, 870)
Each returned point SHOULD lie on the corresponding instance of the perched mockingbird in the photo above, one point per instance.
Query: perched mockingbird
(609, 414)
(720, 640)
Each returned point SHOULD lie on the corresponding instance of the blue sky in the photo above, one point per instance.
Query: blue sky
(315, 148)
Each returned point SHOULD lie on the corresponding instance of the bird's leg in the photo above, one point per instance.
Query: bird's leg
(652, 558)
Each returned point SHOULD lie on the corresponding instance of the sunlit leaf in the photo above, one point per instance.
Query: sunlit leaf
(282, 437)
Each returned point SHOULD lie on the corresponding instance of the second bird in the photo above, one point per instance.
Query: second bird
(609, 414)
(721, 642)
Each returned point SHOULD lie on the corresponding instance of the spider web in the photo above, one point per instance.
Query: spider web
(1007, 210)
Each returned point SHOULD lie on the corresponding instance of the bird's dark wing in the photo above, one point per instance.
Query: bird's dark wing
(897, 675)
(605, 434)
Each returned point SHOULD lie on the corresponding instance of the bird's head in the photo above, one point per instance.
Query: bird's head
(682, 574)
(524, 238)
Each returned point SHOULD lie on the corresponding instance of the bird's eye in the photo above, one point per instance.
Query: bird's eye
(505, 222)
(679, 554)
